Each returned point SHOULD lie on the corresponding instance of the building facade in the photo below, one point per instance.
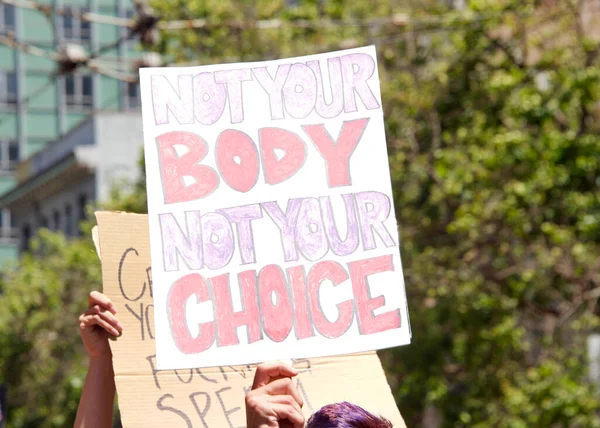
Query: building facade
(57, 183)
(38, 106)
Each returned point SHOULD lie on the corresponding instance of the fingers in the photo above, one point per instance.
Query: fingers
(277, 399)
(108, 316)
(284, 411)
(288, 400)
(268, 371)
(284, 386)
(97, 298)
(102, 318)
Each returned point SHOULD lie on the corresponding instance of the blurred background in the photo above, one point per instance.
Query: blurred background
(492, 112)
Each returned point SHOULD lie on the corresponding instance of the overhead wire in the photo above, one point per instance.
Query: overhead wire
(94, 57)
(96, 63)
(90, 62)
(27, 48)
(438, 22)
(49, 10)
(397, 19)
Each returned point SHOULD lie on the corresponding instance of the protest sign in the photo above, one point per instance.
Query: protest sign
(213, 397)
(272, 226)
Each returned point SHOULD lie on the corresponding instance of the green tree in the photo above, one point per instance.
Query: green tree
(494, 156)
(130, 197)
(495, 171)
(42, 360)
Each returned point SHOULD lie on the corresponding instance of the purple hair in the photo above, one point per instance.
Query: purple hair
(346, 415)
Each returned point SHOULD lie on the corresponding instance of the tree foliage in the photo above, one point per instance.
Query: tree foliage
(492, 124)
(495, 166)
(494, 156)
(42, 359)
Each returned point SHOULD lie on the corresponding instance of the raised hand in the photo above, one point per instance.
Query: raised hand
(96, 323)
(274, 401)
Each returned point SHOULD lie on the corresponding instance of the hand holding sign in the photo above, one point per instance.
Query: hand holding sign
(96, 323)
(274, 400)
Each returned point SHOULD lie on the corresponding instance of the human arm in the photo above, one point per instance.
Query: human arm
(274, 400)
(95, 325)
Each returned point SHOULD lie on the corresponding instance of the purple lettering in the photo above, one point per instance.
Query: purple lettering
(273, 87)
(177, 242)
(373, 210)
(242, 217)
(286, 224)
(334, 108)
(309, 230)
(300, 91)
(233, 79)
(209, 98)
(350, 244)
(165, 99)
(355, 80)
(217, 240)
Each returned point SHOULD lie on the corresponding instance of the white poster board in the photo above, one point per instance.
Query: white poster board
(272, 225)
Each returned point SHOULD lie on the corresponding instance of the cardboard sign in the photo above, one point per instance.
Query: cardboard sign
(272, 226)
(213, 397)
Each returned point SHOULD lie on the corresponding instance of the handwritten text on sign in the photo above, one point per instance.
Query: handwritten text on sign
(271, 221)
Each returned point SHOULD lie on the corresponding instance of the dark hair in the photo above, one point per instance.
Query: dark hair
(346, 415)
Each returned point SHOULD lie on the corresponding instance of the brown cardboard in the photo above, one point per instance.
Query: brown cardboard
(212, 397)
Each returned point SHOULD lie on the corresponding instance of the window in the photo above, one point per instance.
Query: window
(57, 220)
(133, 95)
(25, 237)
(67, 26)
(69, 220)
(86, 86)
(75, 29)
(44, 222)
(70, 85)
(7, 18)
(78, 90)
(130, 14)
(85, 30)
(9, 154)
(8, 87)
(82, 205)
(5, 230)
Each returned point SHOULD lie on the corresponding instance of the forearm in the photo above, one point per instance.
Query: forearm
(96, 405)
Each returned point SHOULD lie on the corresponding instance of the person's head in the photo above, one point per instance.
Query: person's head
(346, 415)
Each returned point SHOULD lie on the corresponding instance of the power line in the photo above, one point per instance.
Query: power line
(397, 19)
(69, 61)
(49, 10)
(11, 42)
(146, 24)
(70, 58)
